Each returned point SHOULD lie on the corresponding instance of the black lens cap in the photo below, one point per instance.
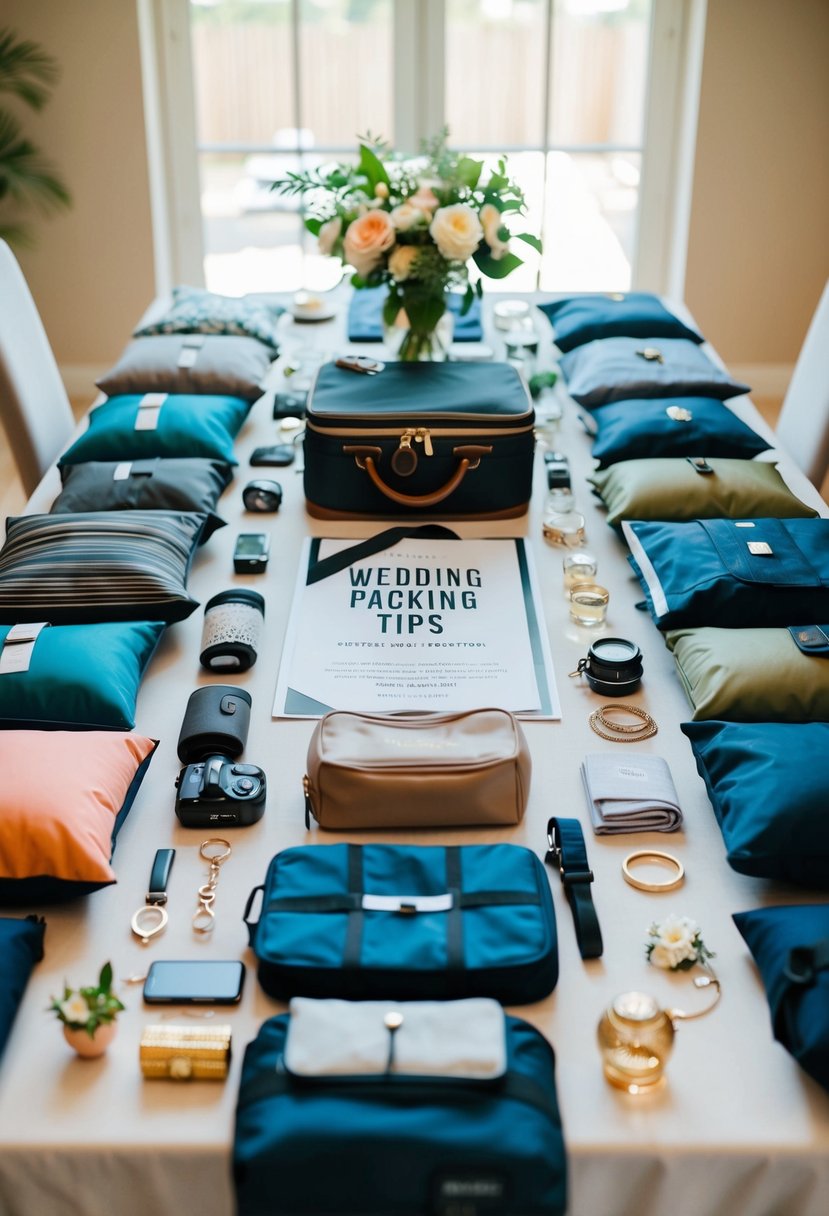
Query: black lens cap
(262, 496)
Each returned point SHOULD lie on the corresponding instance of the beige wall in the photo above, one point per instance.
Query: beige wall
(759, 238)
(92, 271)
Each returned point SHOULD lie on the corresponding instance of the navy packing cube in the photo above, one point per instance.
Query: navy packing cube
(447, 440)
(377, 1140)
(21, 946)
(732, 573)
(406, 922)
(790, 946)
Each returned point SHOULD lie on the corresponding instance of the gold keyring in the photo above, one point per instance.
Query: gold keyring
(657, 856)
(217, 858)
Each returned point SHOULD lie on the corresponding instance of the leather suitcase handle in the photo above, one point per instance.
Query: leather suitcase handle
(468, 456)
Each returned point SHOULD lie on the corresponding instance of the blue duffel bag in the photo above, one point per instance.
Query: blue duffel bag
(732, 573)
(406, 922)
(411, 1110)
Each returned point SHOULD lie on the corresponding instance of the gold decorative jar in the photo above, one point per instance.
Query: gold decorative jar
(636, 1039)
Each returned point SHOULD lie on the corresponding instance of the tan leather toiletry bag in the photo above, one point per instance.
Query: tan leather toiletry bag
(422, 770)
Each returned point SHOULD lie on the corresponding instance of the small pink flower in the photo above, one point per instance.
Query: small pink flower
(425, 199)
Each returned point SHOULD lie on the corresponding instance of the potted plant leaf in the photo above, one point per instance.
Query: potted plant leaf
(27, 178)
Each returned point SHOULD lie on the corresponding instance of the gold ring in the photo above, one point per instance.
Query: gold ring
(663, 859)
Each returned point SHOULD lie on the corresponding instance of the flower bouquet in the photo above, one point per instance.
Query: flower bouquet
(88, 1014)
(413, 224)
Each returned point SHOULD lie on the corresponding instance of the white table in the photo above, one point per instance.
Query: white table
(739, 1130)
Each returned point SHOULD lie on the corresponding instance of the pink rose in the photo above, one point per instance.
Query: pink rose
(329, 235)
(425, 199)
(366, 240)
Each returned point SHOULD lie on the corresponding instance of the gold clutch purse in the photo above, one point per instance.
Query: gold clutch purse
(185, 1053)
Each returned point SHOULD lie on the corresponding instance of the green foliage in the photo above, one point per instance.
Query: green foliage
(102, 1006)
(495, 268)
(26, 71)
(372, 168)
(541, 381)
(28, 74)
(530, 240)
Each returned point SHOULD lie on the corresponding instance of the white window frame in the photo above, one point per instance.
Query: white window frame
(670, 122)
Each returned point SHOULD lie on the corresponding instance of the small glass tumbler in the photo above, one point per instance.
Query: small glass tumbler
(588, 604)
(564, 528)
(578, 567)
(559, 501)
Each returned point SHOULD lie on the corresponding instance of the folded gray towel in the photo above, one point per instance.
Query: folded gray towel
(631, 794)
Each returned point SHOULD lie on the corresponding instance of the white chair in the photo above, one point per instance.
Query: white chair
(803, 425)
(34, 407)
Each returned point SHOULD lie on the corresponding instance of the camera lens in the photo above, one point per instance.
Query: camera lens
(262, 496)
(613, 666)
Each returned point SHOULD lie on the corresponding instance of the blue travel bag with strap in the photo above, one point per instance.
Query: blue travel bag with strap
(406, 922)
(385, 1132)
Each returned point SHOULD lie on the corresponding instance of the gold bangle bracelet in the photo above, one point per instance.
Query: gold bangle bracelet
(662, 859)
(622, 733)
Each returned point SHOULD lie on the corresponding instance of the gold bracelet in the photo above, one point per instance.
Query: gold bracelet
(662, 859)
(623, 733)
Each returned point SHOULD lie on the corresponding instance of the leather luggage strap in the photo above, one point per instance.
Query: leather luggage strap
(566, 850)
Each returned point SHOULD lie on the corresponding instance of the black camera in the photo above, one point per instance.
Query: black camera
(219, 793)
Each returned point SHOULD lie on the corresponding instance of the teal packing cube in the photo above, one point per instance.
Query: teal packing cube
(343, 1125)
(406, 922)
(434, 440)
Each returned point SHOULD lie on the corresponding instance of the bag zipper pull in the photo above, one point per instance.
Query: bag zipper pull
(306, 785)
(422, 436)
(404, 460)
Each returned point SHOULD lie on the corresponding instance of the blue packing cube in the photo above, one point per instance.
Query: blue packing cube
(389, 1142)
(406, 922)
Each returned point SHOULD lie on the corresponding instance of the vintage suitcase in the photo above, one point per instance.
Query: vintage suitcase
(434, 440)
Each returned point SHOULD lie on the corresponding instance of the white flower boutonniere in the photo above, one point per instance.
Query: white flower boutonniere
(676, 944)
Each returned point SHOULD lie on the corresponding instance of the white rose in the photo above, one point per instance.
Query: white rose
(406, 216)
(329, 235)
(366, 240)
(456, 231)
(674, 941)
(401, 260)
(660, 957)
(75, 1009)
(491, 220)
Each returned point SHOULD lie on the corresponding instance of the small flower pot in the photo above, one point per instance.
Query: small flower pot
(90, 1047)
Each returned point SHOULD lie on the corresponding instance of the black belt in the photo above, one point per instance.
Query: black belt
(566, 849)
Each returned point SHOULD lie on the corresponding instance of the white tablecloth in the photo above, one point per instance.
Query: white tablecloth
(738, 1130)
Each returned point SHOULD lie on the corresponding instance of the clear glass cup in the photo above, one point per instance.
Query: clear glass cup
(578, 567)
(559, 501)
(588, 604)
(564, 528)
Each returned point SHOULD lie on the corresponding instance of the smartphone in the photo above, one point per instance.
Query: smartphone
(287, 405)
(194, 982)
(278, 454)
(250, 555)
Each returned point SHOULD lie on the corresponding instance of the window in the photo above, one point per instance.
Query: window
(583, 96)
